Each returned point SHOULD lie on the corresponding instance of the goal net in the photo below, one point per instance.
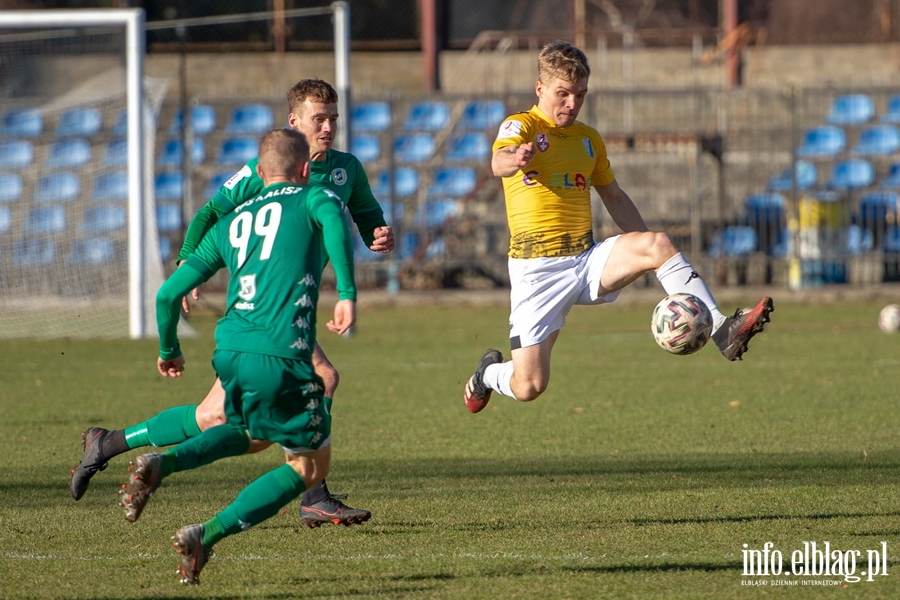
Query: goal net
(79, 254)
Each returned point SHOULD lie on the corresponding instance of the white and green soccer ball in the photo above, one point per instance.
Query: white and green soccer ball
(889, 318)
(681, 323)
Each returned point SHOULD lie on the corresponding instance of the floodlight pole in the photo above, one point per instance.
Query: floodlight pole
(342, 69)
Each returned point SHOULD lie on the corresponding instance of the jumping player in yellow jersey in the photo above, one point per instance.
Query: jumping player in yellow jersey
(549, 162)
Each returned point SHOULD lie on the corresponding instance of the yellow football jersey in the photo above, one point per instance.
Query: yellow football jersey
(548, 205)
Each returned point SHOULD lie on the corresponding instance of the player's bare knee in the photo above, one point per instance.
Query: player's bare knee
(208, 416)
(530, 390)
(661, 248)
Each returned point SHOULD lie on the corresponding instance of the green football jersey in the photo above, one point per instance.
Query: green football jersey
(340, 172)
(273, 247)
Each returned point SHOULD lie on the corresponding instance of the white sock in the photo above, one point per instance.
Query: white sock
(677, 276)
(497, 377)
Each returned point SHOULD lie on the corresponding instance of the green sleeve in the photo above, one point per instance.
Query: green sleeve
(202, 222)
(363, 206)
(199, 267)
(328, 213)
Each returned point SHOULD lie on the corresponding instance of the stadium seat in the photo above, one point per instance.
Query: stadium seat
(453, 181)
(467, 147)
(765, 214)
(892, 114)
(851, 174)
(46, 219)
(203, 120)
(858, 240)
(10, 187)
(250, 118)
(387, 208)
(407, 245)
(892, 240)
(877, 209)
(415, 147)
(851, 109)
(823, 141)
(734, 241)
(893, 179)
(482, 114)
(216, 182)
(59, 187)
(165, 248)
(237, 151)
(92, 251)
(121, 125)
(34, 252)
(22, 122)
(69, 154)
(16, 154)
(5, 219)
(435, 213)
(111, 186)
(878, 140)
(172, 153)
(79, 122)
(366, 148)
(115, 153)
(168, 186)
(105, 218)
(429, 115)
(406, 183)
(370, 116)
(805, 175)
(168, 218)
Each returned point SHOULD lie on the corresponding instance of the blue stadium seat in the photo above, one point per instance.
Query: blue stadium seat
(859, 239)
(105, 218)
(876, 209)
(10, 187)
(435, 213)
(115, 153)
(370, 116)
(893, 178)
(22, 122)
(413, 148)
(59, 187)
(237, 151)
(168, 218)
(121, 125)
(892, 240)
(892, 114)
(366, 148)
(216, 182)
(16, 154)
(764, 208)
(111, 186)
(250, 118)
(46, 219)
(823, 141)
(79, 122)
(851, 174)
(453, 181)
(34, 252)
(92, 251)
(407, 245)
(406, 183)
(203, 120)
(387, 207)
(69, 154)
(467, 147)
(172, 153)
(482, 114)
(878, 140)
(168, 185)
(851, 109)
(805, 175)
(5, 219)
(165, 248)
(734, 241)
(430, 116)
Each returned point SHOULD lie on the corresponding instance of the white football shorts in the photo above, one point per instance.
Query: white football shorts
(544, 290)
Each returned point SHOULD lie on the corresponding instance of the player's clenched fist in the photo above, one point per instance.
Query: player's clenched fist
(524, 154)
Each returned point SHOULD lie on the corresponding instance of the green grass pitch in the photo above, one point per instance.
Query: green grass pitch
(636, 475)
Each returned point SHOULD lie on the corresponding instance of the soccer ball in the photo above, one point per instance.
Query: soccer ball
(889, 318)
(681, 323)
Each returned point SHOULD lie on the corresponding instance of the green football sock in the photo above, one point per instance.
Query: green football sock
(260, 500)
(171, 426)
(211, 445)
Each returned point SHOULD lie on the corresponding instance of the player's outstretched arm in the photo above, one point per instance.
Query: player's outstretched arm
(507, 161)
(344, 317)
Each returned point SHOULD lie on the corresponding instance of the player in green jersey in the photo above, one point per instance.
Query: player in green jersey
(313, 112)
(273, 246)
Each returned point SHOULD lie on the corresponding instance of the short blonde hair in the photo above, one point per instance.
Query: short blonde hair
(281, 150)
(317, 90)
(561, 60)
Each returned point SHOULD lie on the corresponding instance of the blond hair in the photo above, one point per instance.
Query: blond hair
(281, 150)
(313, 89)
(561, 60)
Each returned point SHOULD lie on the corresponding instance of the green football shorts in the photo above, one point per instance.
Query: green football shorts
(276, 399)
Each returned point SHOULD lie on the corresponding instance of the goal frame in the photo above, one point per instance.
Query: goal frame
(133, 21)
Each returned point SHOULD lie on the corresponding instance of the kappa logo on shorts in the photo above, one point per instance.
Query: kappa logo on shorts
(248, 287)
(542, 142)
(339, 176)
(509, 129)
